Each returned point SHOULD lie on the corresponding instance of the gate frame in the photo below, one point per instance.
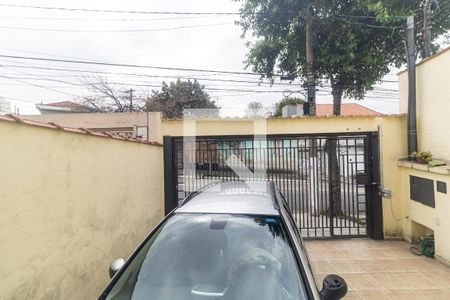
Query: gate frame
(374, 205)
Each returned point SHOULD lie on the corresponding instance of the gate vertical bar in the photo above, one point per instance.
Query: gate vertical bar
(331, 174)
(367, 187)
(354, 186)
(169, 174)
(376, 212)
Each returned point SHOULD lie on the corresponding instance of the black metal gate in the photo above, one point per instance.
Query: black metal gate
(329, 181)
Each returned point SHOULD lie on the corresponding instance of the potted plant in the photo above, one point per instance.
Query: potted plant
(422, 157)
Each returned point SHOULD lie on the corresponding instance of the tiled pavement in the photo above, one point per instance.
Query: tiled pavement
(380, 269)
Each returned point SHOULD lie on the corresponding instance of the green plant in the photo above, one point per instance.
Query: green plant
(422, 156)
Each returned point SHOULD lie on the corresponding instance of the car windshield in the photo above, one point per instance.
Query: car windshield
(198, 256)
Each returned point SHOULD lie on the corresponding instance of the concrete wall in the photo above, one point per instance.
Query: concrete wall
(71, 203)
(278, 125)
(392, 144)
(433, 130)
(425, 220)
(106, 120)
(392, 148)
(433, 103)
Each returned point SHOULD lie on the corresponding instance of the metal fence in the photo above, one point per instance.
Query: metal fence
(328, 193)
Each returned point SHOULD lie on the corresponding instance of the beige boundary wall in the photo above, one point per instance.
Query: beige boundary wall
(70, 204)
(433, 103)
(107, 121)
(433, 131)
(424, 220)
(392, 144)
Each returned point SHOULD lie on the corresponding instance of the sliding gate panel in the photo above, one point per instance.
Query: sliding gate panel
(326, 180)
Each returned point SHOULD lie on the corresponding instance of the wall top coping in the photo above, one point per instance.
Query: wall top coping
(12, 118)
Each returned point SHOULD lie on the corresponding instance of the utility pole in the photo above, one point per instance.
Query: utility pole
(411, 59)
(130, 91)
(310, 106)
(427, 26)
(426, 29)
(310, 80)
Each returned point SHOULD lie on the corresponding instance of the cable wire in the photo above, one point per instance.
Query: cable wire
(39, 86)
(118, 11)
(119, 30)
(147, 75)
(106, 19)
(126, 65)
(365, 24)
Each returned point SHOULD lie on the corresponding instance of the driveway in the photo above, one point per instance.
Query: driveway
(380, 269)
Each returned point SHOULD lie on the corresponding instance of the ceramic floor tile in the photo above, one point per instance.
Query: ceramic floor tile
(352, 295)
(360, 282)
(373, 295)
(380, 269)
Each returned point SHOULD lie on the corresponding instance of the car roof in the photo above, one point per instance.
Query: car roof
(233, 197)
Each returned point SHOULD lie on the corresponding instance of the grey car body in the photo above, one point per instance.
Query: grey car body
(233, 240)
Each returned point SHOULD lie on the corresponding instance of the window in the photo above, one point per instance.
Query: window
(229, 257)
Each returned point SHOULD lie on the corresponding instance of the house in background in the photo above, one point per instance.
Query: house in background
(5, 106)
(63, 107)
(143, 125)
(347, 109)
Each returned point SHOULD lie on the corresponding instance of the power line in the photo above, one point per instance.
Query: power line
(47, 86)
(119, 11)
(128, 83)
(248, 91)
(106, 19)
(142, 84)
(232, 95)
(152, 85)
(102, 63)
(119, 30)
(84, 61)
(162, 76)
(366, 24)
(372, 17)
(379, 90)
(38, 85)
(22, 100)
(43, 79)
(374, 88)
(126, 65)
(145, 75)
(40, 53)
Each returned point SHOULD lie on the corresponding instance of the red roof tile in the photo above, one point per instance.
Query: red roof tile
(347, 109)
(52, 125)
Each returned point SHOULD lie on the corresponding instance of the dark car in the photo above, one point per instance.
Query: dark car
(230, 241)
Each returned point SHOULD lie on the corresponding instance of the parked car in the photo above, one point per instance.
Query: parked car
(229, 241)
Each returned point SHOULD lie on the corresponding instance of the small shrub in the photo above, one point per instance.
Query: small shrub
(422, 157)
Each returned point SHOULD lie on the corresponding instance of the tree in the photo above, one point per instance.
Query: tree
(283, 102)
(107, 98)
(254, 109)
(178, 96)
(355, 43)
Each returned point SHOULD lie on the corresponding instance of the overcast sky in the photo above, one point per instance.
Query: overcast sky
(208, 42)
